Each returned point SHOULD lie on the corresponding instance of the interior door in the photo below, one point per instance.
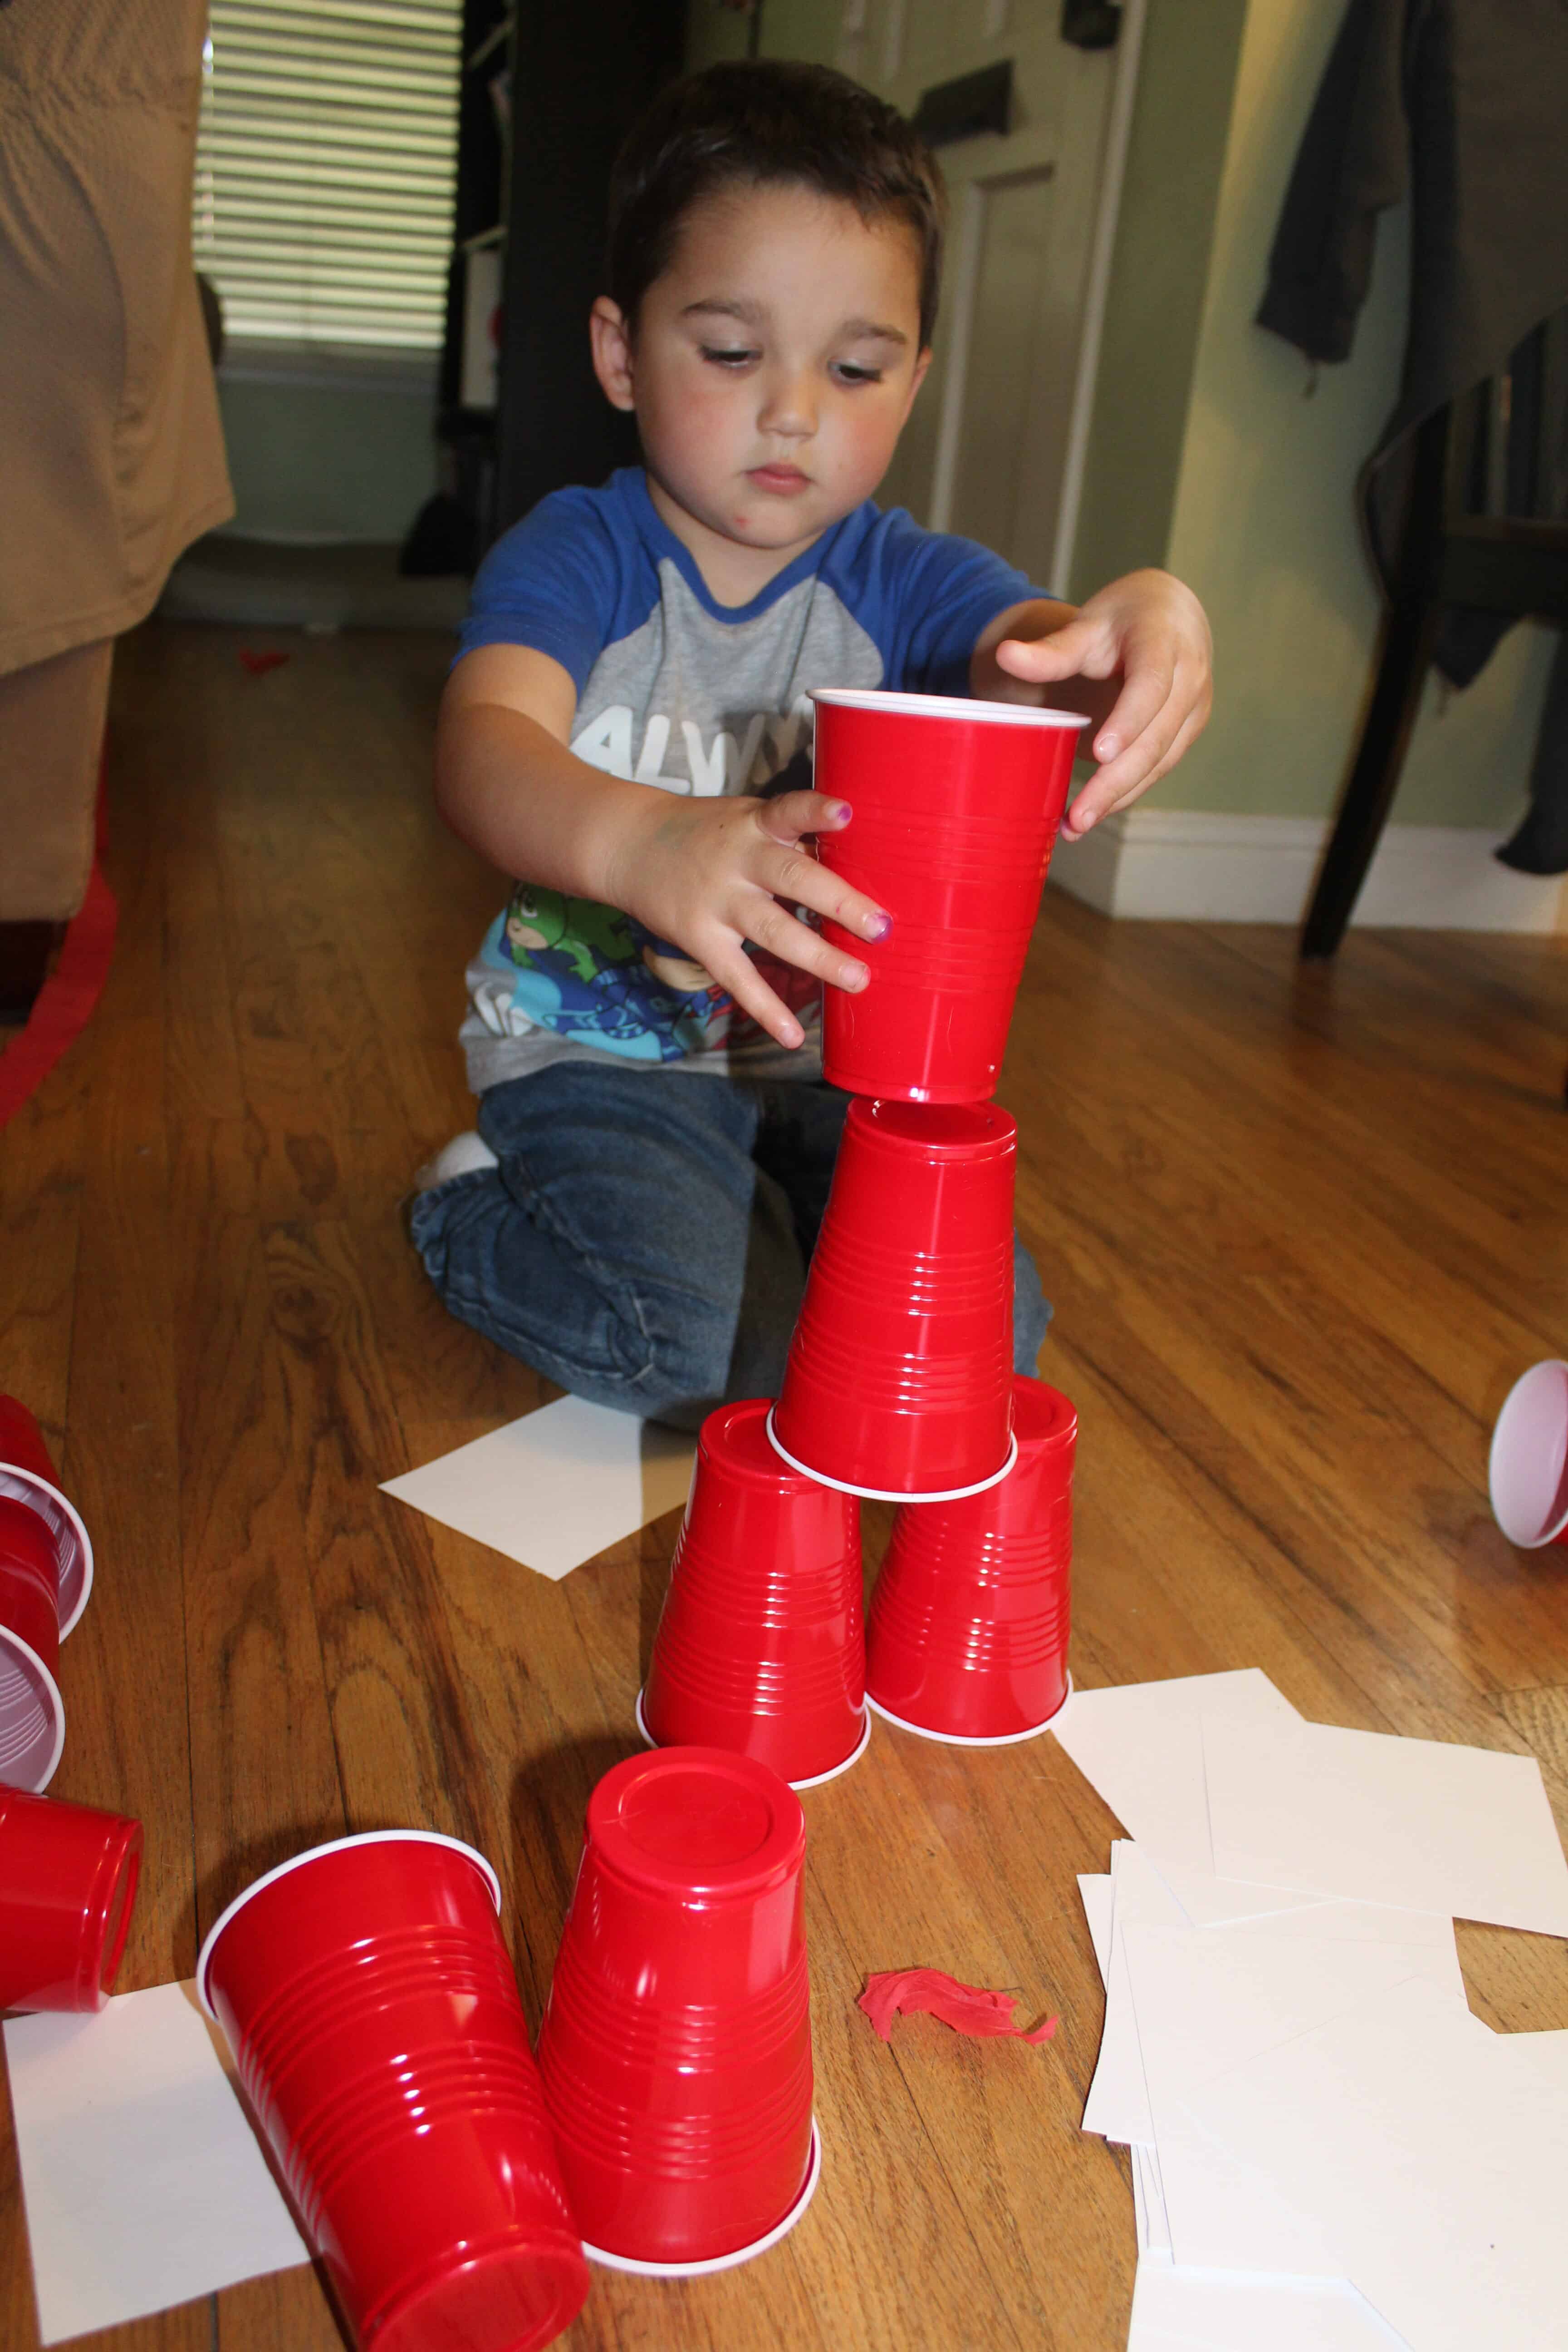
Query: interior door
(985, 450)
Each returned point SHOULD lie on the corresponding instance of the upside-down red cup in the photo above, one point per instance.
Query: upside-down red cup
(1528, 1469)
(367, 1996)
(761, 1648)
(968, 1635)
(68, 1882)
(28, 1476)
(956, 806)
(676, 2047)
(898, 1381)
(32, 1712)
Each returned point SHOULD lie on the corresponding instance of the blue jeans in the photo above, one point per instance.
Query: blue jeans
(644, 1241)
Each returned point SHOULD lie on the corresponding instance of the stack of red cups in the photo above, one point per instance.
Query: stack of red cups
(46, 1575)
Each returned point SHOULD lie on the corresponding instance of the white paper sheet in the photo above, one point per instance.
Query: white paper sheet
(1155, 2228)
(1094, 1889)
(1435, 2151)
(1367, 1817)
(1203, 1998)
(557, 1487)
(1142, 1747)
(1118, 2102)
(143, 2183)
(1180, 2308)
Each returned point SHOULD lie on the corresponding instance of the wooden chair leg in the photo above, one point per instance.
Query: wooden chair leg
(1385, 739)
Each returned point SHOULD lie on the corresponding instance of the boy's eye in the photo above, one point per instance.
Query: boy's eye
(848, 373)
(727, 358)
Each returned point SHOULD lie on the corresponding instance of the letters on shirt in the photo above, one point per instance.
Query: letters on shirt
(770, 742)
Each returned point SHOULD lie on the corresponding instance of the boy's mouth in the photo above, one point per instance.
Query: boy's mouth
(782, 480)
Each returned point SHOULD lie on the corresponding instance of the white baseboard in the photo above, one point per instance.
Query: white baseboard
(1189, 866)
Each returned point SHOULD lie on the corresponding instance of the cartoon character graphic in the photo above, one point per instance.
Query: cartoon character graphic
(587, 970)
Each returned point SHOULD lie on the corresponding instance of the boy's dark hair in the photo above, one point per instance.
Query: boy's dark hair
(762, 123)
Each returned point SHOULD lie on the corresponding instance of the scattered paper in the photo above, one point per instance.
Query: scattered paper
(1094, 1888)
(1206, 1998)
(1420, 1823)
(557, 1487)
(1142, 1747)
(971, 2009)
(1177, 2310)
(144, 2182)
(1435, 2153)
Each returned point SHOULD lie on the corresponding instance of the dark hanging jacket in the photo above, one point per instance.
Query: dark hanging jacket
(1462, 105)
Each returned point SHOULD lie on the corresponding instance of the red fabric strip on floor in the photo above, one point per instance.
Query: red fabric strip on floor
(68, 999)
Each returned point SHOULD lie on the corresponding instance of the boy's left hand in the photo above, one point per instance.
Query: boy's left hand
(1138, 656)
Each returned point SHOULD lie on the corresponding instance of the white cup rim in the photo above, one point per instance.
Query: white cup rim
(1501, 1461)
(314, 1854)
(73, 1545)
(946, 706)
(12, 1641)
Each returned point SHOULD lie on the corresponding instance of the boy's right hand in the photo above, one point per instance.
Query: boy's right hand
(713, 873)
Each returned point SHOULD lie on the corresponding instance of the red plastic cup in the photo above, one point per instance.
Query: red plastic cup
(968, 1635)
(375, 2019)
(676, 2047)
(899, 1377)
(956, 806)
(761, 1648)
(28, 1476)
(68, 1882)
(32, 1712)
(1528, 1469)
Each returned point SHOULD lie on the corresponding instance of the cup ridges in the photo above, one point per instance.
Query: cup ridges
(767, 1594)
(683, 2147)
(836, 1364)
(22, 1713)
(909, 1282)
(687, 2036)
(984, 1563)
(752, 1686)
(448, 2087)
(399, 1965)
(985, 1644)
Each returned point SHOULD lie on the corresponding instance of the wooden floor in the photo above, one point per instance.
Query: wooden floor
(1303, 1230)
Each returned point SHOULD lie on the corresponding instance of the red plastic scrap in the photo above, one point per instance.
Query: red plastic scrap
(259, 664)
(968, 2009)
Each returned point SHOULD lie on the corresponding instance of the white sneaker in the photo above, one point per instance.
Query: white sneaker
(466, 1155)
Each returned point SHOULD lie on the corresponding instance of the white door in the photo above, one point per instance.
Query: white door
(987, 450)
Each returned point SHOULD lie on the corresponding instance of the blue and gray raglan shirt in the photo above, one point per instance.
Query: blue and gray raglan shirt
(686, 695)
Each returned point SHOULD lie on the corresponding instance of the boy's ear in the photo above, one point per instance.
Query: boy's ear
(612, 343)
(922, 368)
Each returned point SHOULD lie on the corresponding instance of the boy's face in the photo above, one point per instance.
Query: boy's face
(773, 363)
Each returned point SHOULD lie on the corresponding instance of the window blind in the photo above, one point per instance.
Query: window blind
(326, 161)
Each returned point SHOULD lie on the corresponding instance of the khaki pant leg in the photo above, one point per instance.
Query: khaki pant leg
(51, 741)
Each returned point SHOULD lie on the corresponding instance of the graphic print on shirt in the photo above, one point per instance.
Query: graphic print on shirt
(700, 707)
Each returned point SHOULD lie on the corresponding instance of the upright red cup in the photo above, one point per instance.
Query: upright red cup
(968, 1635)
(676, 2047)
(371, 2007)
(28, 1476)
(32, 1712)
(956, 806)
(900, 1376)
(761, 1648)
(1526, 1472)
(68, 1882)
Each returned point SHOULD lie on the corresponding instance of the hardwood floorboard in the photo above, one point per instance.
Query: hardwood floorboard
(1301, 1226)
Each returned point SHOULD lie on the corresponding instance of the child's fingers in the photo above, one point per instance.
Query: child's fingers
(1155, 752)
(735, 972)
(797, 877)
(770, 926)
(793, 815)
(1080, 646)
(1143, 698)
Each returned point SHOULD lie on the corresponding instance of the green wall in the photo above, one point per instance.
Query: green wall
(1265, 526)
(351, 459)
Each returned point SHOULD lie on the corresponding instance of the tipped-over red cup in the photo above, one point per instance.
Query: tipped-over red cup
(955, 808)
(968, 1633)
(1528, 1469)
(27, 1476)
(367, 1996)
(68, 1882)
(898, 1381)
(761, 1648)
(676, 2047)
(32, 1712)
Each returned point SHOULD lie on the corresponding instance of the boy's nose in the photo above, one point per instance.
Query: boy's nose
(789, 405)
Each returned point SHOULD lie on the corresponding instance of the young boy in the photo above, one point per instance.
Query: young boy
(627, 728)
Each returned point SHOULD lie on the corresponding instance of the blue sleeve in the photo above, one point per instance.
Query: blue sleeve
(554, 581)
(936, 594)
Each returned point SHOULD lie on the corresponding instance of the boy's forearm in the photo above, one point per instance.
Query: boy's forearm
(513, 792)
